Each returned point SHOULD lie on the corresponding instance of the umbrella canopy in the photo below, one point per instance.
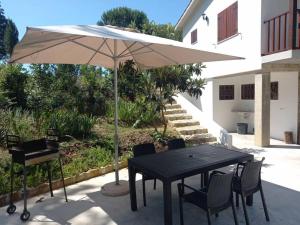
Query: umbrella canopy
(105, 46)
(94, 45)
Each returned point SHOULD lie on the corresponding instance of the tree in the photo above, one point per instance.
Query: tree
(11, 36)
(162, 30)
(13, 80)
(169, 81)
(124, 17)
(2, 29)
(95, 90)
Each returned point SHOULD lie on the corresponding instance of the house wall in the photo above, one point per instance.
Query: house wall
(221, 116)
(284, 110)
(247, 43)
(229, 112)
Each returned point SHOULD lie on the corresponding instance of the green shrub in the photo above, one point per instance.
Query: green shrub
(18, 122)
(71, 123)
(134, 113)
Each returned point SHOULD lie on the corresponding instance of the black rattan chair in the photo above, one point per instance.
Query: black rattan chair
(176, 144)
(140, 150)
(216, 197)
(247, 183)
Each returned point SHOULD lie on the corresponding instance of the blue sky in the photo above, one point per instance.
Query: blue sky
(58, 12)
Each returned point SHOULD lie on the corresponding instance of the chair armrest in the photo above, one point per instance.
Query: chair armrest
(217, 172)
(182, 186)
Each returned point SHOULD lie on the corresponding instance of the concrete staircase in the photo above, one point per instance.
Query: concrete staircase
(189, 129)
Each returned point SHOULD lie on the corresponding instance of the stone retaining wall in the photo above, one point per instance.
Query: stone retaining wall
(56, 184)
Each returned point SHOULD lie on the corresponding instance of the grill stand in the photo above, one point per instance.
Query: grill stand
(43, 159)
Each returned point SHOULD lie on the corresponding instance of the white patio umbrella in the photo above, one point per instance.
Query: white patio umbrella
(105, 46)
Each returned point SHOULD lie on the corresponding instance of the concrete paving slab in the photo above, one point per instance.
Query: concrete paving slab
(87, 206)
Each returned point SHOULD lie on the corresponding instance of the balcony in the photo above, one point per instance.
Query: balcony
(281, 37)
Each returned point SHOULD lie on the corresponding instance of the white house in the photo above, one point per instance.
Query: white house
(261, 90)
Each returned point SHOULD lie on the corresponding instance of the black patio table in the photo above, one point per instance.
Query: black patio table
(174, 165)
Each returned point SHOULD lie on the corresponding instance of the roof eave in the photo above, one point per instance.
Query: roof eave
(187, 12)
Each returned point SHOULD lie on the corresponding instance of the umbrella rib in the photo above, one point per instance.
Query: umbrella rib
(44, 41)
(40, 50)
(112, 54)
(164, 56)
(139, 53)
(127, 48)
(135, 50)
(96, 51)
(92, 49)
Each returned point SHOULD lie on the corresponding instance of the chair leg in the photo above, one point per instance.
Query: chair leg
(234, 213)
(62, 178)
(11, 183)
(245, 210)
(25, 188)
(144, 191)
(264, 203)
(208, 217)
(154, 184)
(181, 211)
(49, 179)
(237, 202)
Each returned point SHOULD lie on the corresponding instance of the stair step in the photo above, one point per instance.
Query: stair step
(174, 111)
(173, 117)
(190, 130)
(184, 123)
(173, 106)
(199, 138)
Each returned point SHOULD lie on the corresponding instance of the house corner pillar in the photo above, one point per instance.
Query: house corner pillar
(262, 109)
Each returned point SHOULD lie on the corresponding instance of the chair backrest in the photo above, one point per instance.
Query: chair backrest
(219, 191)
(250, 176)
(176, 143)
(143, 149)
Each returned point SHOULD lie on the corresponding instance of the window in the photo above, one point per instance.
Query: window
(194, 36)
(228, 22)
(247, 91)
(274, 90)
(226, 92)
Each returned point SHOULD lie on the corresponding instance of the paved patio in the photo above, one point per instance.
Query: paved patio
(88, 206)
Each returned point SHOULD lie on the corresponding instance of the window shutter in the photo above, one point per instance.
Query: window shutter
(232, 20)
(228, 22)
(222, 25)
(194, 37)
(235, 18)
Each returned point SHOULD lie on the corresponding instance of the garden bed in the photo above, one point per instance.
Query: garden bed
(82, 159)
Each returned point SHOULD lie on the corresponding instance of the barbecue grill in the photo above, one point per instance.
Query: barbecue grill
(32, 153)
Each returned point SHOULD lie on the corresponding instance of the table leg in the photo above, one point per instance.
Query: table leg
(206, 178)
(132, 188)
(167, 203)
(249, 200)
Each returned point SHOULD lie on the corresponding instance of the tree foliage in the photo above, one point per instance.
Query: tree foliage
(124, 17)
(13, 79)
(2, 29)
(8, 35)
(11, 36)
(162, 30)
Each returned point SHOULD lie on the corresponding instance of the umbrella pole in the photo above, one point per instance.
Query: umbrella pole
(116, 139)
